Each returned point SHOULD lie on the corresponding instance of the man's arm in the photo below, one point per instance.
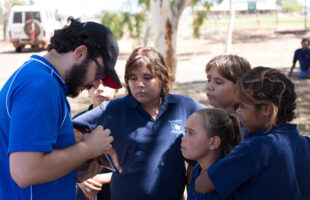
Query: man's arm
(28, 168)
(292, 68)
(295, 58)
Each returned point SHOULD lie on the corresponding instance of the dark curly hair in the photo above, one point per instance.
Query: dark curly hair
(70, 37)
(154, 61)
(231, 67)
(267, 86)
(226, 126)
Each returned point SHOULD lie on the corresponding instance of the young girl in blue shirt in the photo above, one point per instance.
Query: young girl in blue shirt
(223, 72)
(209, 135)
(274, 162)
(147, 125)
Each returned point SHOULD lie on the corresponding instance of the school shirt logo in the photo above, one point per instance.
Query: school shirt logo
(176, 126)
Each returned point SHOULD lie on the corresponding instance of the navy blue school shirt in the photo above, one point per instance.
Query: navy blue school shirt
(35, 117)
(303, 57)
(148, 150)
(193, 195)
(273, 165)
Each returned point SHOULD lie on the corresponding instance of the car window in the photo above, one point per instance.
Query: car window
(17, 17)
(33, 15)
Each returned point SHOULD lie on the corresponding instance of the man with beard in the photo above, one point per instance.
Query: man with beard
(38, 154)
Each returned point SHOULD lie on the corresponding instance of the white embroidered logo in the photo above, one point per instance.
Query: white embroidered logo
(176, 126)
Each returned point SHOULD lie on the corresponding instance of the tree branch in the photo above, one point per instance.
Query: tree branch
(180, 6)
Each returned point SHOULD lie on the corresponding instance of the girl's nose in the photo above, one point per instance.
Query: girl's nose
(140, 84)
(209, 86)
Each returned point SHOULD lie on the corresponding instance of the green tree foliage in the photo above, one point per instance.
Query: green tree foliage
(135, 22)
(200, 9)
(117, 22)
(291, 6)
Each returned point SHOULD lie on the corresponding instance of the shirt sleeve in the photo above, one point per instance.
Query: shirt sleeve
(236, 168)
(35, 115)
(197, 106)
(93, 117)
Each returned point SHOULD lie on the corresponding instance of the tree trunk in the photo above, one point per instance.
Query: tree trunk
(230, 28)
(7, 10)
(165, 19)
(147, 29)
(5, 25)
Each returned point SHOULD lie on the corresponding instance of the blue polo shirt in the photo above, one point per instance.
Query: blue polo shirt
(148, 150)
(35, 117)
(303, 57)
(193, 195)
(275, 165)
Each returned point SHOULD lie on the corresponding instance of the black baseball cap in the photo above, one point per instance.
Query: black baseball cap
(107, 46)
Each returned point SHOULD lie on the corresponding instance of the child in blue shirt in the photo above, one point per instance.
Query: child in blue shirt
(209, 135)
(147, 126)
(223, 72)
(274, 162)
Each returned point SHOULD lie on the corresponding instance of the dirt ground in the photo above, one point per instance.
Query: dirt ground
(262, 47)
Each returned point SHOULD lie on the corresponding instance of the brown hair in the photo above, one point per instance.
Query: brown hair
(219, 123)
(267, 86)
(231, 67)
(154, 61)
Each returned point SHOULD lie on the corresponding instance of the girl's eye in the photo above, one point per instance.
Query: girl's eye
(132, 78)
(219, 82)
(148, 77)
(188, 132)
(208, 80)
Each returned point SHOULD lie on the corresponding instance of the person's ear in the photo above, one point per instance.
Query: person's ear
(214, 142)
(80, 53)
(266, 110)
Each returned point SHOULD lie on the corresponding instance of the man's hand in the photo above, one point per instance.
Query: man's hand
(98, 141)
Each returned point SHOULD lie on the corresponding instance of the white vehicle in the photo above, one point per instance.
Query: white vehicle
(31, 25)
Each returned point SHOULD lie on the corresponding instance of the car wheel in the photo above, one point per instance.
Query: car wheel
(32, 28)
(19, 48)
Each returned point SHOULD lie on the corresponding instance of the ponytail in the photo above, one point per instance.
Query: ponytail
(227, 126)
(236, 131)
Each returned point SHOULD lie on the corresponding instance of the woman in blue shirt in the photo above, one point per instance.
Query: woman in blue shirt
(274, 162)
(147, 126)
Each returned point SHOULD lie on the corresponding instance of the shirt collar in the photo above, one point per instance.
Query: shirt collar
(53, 71)
(283, 128)
(131, 102)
